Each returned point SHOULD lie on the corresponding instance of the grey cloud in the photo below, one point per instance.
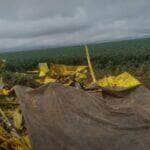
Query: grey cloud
(28, 24)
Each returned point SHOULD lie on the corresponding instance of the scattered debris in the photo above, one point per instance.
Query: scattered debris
(61, 74)
(3, 91)
(73, 110)
(43, 69)
(124, 80)
(9, 137)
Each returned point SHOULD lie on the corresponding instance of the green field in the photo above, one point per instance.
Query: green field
(122, 55)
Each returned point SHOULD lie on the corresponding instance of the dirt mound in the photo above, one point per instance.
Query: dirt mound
(64, 118)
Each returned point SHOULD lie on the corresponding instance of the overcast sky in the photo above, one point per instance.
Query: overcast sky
(28, 24)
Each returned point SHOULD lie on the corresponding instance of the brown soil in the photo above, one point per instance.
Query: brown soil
(64, 118)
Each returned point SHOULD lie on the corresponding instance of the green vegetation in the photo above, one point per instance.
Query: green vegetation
(122, 55)
(108, 58)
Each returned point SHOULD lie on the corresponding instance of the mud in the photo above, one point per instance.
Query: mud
(65, 118)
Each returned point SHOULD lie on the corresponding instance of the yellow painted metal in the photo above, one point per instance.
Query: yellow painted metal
(11, 139)
(90, 65)
(17, 119)
(65, 70)
(4, 92)
(49, 80)
(124, 80)
(61, 73)
(43, 69)
(4, 118)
